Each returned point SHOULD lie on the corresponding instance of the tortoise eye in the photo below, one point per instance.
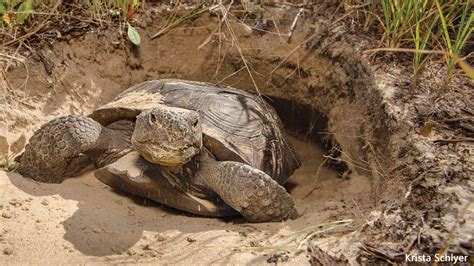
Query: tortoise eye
(153, 118)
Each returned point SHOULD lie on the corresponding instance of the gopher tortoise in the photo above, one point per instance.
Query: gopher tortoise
(193, 146)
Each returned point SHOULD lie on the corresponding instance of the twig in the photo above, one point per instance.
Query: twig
(224, 16)
(15, 53)
(293, 24)
(405, 50)
(95, 21)
(375, 158)
(315, 179)
(267, 248)
(360, 210)
(179, 21)
(74, 90)
(48, 66)
(324, 228)
(12, 57)
(205, 42)
(381, 254)
(298, 5)
(466, 139)
(456, 119)
(358, 6)
(230, 75)
(7, 83)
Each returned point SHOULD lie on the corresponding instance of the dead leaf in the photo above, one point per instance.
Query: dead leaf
(426, 129)
(18, 145)
(3, 147)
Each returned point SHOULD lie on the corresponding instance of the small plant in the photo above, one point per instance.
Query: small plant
(462, 31)
(119, 9)
(421, 26)
(9, 151)
(422, 34)
(174, 21)
(397, 17)
(115, 8)
(15, 12)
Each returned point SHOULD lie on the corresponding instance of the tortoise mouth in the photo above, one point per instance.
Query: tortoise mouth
(168, 157)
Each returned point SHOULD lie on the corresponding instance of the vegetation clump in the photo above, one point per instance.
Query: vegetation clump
(421, 27)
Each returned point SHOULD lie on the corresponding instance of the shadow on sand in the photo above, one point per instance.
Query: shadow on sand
(108, 221)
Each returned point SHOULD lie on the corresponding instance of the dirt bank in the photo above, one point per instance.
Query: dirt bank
(404, 191)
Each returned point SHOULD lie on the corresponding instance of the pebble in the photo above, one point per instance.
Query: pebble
(16, 202)
(7, 215)
(160, 237)
(97, 230)
(190, 240)
(45, 202)
(8, 250)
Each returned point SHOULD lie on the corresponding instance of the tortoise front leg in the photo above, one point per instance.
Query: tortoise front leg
(248, 190)
(55, 144)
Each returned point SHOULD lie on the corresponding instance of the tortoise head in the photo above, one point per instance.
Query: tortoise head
(168, 135)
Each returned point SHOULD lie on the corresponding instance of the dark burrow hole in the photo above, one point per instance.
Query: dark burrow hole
(305, 123)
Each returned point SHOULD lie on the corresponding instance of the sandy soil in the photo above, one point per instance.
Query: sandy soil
(82, 220)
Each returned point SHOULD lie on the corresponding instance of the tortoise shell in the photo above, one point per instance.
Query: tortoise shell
(237, 126)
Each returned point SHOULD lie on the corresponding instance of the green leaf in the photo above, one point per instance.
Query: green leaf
(133, 34)
(24, 10)
(2, 8)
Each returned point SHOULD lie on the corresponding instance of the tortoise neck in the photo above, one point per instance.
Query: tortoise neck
(113, 143)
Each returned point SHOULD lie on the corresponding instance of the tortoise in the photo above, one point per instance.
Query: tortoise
(197, 147)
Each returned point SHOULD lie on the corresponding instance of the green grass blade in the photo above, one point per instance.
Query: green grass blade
(446, 38)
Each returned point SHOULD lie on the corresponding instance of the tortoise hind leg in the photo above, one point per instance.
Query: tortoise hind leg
(55, 144)
(248, 190)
